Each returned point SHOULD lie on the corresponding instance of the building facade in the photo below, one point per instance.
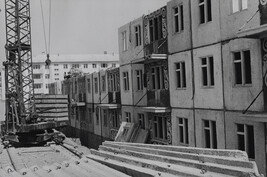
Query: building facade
(192, 73)
(63, 65)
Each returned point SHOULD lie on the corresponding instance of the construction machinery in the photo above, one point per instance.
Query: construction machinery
(22, 124)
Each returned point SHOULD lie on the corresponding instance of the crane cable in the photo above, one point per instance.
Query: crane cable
(47, 47)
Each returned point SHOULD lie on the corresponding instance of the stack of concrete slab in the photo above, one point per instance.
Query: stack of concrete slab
(161, 160)
(52, 107)
(51, 161)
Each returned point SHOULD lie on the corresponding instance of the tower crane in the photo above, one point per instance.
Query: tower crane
(22, 124)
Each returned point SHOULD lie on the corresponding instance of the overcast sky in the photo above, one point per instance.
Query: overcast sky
(81, 26)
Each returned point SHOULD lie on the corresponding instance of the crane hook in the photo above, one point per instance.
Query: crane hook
(47, 61)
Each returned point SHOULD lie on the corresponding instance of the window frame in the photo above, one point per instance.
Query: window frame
(210, 76)
(160, 129)
(124, 41)
(181, 76)
(96, 84)
(212, 131)
(139, 80)
(128, 117)
(138, 35)
(157, 78)
(142, 120)
(240, 6)
(207, 8)
(125, 76)
(244, 81)
(184, 128)
(178, 18)
(103, 83)
(247, 142)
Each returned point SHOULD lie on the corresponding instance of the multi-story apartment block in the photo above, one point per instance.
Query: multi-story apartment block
(192, 73)
(95, 106)
(62, 65)
(200, 75)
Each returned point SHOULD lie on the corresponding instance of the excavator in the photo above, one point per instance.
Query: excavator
(23, 127)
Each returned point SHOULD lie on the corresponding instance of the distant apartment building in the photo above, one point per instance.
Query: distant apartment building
(63, 65)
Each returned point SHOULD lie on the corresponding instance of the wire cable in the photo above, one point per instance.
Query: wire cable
(49, 37)
(43, 26)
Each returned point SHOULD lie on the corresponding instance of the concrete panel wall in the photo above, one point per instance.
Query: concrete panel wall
(231, 119)
(218, 116)
(232, 22)
(133, 52)
(139, 97)
(208, 97)
(181, 97)
(209, 32)
(239, 97)
(182, 113)
(126, 95)
(178, 41)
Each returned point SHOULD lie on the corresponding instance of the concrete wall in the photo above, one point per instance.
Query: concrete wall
(126, 96)
(138, 94)
(181, 97)
(178, 41)
(232, 22)
(209, 32)
(231, 118)
(217, 116)
(133, 52)
(239, 97)
(208, 97)
(183, 113)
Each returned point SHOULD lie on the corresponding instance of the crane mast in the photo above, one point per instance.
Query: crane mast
(20, 104)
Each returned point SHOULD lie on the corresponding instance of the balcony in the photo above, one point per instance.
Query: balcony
(157, 47)
(158, 98)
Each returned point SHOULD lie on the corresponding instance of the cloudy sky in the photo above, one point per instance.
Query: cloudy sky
(81, 26)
